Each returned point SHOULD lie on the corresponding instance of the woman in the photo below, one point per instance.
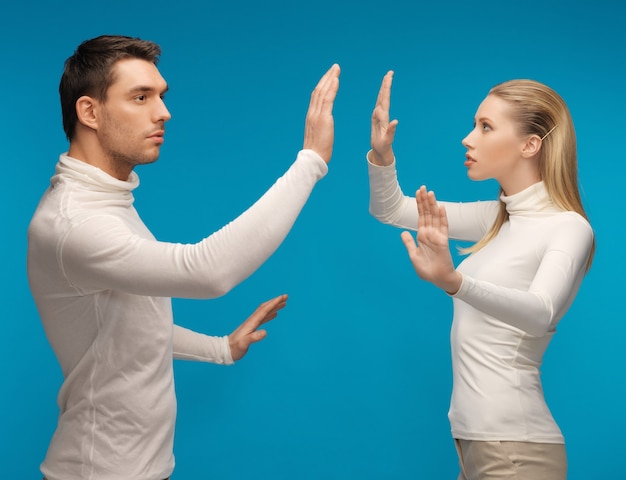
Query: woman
(532, 249)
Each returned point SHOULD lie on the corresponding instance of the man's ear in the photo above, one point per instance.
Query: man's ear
(532, 146)
(87, 111)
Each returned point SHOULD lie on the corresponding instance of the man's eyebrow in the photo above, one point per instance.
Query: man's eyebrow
(146, 89)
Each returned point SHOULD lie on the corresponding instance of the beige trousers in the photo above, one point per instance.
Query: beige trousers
(511, 460)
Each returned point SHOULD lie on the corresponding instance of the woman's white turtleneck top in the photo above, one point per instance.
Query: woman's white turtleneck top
(514, 291)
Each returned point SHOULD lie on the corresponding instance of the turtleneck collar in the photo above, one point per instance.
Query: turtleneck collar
(95, 177)
(532, 199)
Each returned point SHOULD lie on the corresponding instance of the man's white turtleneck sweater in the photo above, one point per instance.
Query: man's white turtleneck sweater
(102, 284)
(513, 293)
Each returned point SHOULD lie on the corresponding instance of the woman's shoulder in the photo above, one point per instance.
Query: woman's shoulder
(572, 220)
(568, 231)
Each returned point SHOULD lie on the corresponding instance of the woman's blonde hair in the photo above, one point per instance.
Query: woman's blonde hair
(539, 110)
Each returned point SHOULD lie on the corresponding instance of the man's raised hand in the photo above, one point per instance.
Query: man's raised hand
(319, 129)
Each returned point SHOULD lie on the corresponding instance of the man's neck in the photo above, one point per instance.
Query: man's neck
(99, 160)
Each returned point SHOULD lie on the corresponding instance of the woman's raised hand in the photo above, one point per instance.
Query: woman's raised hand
(431, 256)
(383, 131)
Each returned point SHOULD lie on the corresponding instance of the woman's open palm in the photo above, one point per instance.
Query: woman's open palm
(431, 256)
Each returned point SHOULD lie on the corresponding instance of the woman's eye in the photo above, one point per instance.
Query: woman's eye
(486, 127)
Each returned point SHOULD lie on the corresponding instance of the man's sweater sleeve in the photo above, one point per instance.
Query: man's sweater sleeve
(103, 252)
(190, 345)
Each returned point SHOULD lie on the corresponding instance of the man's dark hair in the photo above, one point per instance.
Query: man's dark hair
(89, 71)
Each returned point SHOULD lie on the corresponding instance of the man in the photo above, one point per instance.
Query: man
(103, 284)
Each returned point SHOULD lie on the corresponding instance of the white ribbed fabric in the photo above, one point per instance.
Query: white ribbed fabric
(514, 292)
(102, 284)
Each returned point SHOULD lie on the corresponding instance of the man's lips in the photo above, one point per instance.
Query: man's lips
(157, 136)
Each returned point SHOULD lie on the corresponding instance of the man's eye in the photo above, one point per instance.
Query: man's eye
(140, 98)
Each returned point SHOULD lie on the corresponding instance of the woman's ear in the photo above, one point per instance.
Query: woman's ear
(532, 146)
(86, 110)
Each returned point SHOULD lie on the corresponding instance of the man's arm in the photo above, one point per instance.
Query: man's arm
(190, 345)
(105, 253)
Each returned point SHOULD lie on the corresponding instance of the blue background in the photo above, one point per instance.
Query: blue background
(353, 380)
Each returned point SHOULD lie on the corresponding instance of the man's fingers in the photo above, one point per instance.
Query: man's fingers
(319, 122)
(324, 93)
(322, 81)
(266, 311)
(332, 72)
(270, 316)
(276, 302)
(257, 336)
(247, 332)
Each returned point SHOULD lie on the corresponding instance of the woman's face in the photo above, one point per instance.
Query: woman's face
(494, 146)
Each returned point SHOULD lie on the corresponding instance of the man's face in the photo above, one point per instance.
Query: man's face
(132, 119)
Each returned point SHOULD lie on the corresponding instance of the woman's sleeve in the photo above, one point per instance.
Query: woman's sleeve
(104, 252)
(552, 291)
(388, 204)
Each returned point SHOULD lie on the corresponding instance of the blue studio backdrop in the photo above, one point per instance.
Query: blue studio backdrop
(353, 379)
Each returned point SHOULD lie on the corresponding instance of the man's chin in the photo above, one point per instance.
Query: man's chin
(148, 160)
